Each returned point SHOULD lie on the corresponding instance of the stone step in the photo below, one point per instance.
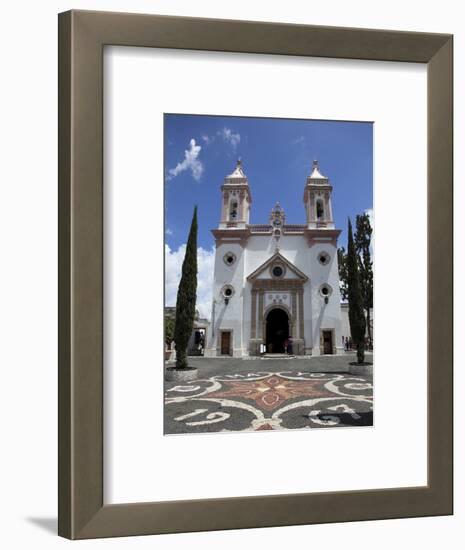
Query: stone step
(277, 356)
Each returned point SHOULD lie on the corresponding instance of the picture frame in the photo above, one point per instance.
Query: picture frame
(82, 37)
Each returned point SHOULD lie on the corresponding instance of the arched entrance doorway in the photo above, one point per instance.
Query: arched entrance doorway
(277, 330)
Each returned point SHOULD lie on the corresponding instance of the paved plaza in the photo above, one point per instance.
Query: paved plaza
(234, 395)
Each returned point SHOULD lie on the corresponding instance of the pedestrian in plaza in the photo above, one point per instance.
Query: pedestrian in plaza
(289, 345)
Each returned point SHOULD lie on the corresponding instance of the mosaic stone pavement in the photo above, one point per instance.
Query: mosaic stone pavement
(256, 401)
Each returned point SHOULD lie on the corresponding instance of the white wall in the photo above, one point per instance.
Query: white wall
(259, 248)
(28, 276)
(325, 315)
(296, 250)
(228, 317)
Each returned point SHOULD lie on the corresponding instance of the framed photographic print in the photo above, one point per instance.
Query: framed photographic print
(255, 248)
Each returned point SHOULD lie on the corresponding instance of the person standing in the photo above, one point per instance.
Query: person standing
(289, 345)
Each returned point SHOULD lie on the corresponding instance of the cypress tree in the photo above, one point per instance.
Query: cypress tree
(362, 238)
(186, 297)
(342, 268)
(356, 313)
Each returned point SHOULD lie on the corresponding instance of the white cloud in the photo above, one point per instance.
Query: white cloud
(205, 266)
(298, 140)
(231, 138)
(208, 139)
(168, 231)
(190, 162)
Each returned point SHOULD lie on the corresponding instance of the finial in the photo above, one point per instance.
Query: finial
(239, 161)
(315, 162)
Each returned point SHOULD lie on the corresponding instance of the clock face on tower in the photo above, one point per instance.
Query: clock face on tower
(277, 217)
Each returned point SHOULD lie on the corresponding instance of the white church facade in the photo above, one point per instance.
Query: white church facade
(275, 283)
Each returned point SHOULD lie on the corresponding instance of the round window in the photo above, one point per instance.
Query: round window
(325, 290)
(277, 271)
(227, 291)
(229, 258)
(323, 258)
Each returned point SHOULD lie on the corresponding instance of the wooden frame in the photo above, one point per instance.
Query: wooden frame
(82, 36)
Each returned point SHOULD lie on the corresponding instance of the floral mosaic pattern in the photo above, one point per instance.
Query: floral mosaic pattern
(268, 401)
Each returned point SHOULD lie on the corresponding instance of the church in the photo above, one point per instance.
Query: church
(275, 283)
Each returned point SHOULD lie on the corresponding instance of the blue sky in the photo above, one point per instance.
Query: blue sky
(277, 155)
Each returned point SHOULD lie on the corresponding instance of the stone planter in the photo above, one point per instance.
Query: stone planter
(172, 374)
(168, 354)
(361, 370)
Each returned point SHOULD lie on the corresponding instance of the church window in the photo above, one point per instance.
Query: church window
(323, 258)
(277, 271)
(325, 290)
(229, 258)
(319, 209)
(227, 291)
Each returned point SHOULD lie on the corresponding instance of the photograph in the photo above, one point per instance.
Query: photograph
(269, 247)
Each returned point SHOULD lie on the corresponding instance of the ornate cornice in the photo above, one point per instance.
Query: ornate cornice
(241, 235)
(266, 229)
(233, 236)
(315, 236)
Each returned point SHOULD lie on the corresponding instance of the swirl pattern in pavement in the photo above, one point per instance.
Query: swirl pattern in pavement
(268, 401)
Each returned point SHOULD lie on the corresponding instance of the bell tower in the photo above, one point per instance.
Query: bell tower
(236, 199)
(317, 200)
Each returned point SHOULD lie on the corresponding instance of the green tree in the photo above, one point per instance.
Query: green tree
(343, 278)
(362, 237)
(186, 298)
(169, 329)
(356, 313)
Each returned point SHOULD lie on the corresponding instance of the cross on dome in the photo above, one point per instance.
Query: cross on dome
(238, 171)
(316, 174)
